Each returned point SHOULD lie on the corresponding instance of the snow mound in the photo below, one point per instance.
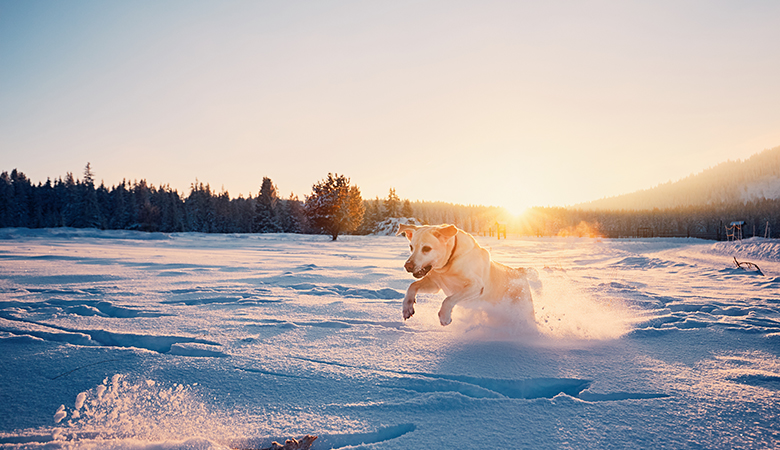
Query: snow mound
(753, 248)
(390, 226)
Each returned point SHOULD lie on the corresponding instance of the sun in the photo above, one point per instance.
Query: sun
(517, 209)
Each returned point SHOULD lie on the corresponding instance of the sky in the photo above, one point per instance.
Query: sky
(503, 103)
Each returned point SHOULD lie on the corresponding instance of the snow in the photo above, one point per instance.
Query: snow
(760, 189)
(757, 248)
(130, 340)
(389, 227)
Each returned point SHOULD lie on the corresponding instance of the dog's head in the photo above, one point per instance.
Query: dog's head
(430, 245)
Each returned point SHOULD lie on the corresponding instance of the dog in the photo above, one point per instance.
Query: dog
(449, 259)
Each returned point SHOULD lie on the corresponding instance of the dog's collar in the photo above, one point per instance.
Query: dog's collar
(454, 247)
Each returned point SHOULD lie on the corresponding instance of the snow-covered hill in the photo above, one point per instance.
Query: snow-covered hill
(734, 182)
(389, 227)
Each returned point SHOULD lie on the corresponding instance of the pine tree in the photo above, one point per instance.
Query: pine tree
(198, 208)
(89, 215)
(334, 206)
(266, 209)
(104, 204)
(70, 210)
(369, 212)
(380, 214)
(296, 217)
(392, 204)
(171, 210)
(148, 213)
(7, 202)
(121, 216)
(244, 210)
(22, 191)
(289, 213)
(406, 210)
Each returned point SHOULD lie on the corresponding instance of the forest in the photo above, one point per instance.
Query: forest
(758, 218)
(138, 205)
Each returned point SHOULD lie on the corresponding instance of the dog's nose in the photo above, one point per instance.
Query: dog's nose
(409, 266)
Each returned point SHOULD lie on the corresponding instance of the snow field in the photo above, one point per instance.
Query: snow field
(152, 341)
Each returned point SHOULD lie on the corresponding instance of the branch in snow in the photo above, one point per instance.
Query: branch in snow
(292, 444)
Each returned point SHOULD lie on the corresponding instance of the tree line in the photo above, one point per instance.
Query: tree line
(334, 207)
(759, 218)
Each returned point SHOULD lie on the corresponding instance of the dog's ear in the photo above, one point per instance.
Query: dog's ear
(445, 232)
(407, 230)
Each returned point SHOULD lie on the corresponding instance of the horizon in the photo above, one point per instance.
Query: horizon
(186, 191)
(510, 105)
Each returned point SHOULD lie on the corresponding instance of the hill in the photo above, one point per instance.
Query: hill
(731, 182)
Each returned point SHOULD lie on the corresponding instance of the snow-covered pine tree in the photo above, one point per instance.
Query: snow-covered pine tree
(266, 209)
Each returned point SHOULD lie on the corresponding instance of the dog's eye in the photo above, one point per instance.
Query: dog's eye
(426, 249)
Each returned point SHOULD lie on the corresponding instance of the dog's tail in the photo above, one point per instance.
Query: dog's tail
(533, 278)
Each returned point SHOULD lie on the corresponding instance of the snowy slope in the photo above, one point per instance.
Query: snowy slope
(731, 182)
(152, 341)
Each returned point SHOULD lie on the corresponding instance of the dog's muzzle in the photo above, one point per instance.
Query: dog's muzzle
(409, 266)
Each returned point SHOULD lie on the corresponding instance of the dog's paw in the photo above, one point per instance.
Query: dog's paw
(444, 318)
(408, 310)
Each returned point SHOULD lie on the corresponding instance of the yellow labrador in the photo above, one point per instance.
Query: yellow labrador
(449, 259)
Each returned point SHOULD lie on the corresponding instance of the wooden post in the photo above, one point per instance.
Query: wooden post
(500, 228)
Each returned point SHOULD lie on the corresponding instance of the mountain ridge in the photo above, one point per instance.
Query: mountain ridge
(730, 182)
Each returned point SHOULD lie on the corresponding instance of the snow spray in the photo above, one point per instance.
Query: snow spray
(566, 309)
(562, 309)
(119, 410)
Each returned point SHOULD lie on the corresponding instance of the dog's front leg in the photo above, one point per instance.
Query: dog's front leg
(425, 286)
(445, 313)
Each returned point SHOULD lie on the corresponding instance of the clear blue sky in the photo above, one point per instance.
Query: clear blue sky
(506, 103)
